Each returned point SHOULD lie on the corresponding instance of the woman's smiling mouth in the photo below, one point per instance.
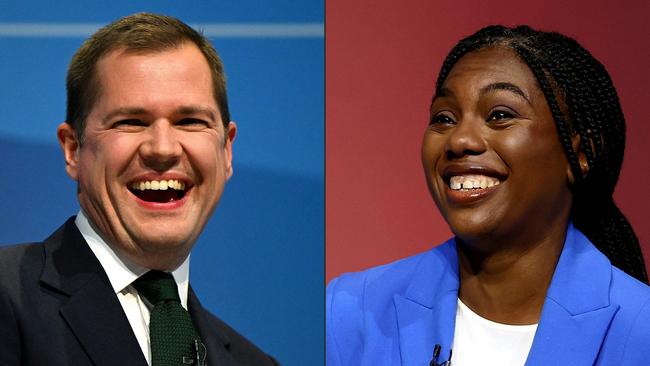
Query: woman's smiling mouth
(471, 182)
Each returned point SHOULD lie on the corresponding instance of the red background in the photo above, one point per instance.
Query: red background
(382, 58)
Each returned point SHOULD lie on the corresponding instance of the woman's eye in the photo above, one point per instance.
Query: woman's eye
(441, 119)
(500, 115)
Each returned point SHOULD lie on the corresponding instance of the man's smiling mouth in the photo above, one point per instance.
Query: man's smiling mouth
(160, 191)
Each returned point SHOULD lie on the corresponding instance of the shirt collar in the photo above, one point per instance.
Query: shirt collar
(120, 271)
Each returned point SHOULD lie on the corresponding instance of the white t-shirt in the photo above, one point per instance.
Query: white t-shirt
(478, 341)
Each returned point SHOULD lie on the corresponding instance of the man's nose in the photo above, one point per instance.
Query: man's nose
(161, 148)
(466, 138)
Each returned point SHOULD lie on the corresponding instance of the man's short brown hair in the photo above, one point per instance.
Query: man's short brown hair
(137, 33)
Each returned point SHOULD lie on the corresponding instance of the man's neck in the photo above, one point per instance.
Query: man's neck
(120, 270)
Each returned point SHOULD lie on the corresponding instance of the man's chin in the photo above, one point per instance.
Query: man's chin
(143, 249)
(164, 244)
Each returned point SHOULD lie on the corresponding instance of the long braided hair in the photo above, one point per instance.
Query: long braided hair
(584, 103)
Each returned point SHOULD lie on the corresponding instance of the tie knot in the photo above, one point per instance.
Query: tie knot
(157, 286)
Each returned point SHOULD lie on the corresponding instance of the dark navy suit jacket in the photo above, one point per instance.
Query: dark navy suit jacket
(395, 314)
(57, 307)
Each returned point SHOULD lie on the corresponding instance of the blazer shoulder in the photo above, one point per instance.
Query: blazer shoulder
(392, 277)
(636, 349)
(353, 297)
(9, 253)
(628, 337)
(631, 327)
(633, 299)
(627, 291)
(20, 267)
(20, 261)
(27, 260)
(242, 350)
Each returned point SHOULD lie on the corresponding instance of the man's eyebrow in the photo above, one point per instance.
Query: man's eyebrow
(504, 86)
(195, 109)
(183, 110)
(127, 111)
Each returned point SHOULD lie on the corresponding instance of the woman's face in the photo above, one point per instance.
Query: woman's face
(491, 154)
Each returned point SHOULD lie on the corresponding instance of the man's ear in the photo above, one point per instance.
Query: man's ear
(582, 160)
(70, 146)
(231, 132)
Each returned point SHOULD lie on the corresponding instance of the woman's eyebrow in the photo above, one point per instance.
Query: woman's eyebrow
(443, 92)
(504, 86)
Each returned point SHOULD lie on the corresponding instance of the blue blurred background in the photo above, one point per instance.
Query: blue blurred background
(259, 264)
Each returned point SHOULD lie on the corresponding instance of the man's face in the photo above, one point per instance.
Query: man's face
(154, 160)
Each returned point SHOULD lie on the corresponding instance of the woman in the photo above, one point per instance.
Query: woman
(521, 155)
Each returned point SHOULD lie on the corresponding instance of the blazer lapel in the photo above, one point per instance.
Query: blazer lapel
(577, 311)
(92, 310)
(426, 313)
(216, 343)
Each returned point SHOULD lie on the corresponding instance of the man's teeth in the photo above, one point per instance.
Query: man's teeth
(159, 185)
(472, 182)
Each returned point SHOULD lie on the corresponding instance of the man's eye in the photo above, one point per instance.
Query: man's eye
(127, 123)
(192, 122)
(500, 115)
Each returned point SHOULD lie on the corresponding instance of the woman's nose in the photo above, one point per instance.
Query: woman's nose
(466, 139)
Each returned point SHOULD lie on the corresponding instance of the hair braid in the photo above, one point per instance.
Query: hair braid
(562, 128)
(584, 104)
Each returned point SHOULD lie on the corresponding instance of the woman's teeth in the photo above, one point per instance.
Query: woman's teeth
(472, 182)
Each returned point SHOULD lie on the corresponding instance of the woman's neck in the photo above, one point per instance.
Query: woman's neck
(508, 283)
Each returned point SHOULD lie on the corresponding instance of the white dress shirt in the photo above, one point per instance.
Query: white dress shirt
(121, 273)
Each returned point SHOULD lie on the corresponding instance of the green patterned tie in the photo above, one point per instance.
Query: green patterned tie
(174, 340)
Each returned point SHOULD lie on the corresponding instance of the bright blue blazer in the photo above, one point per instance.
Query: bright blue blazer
(594, 314)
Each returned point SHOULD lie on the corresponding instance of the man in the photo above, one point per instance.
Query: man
(148, 139)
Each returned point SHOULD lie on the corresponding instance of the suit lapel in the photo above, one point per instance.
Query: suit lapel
(563, 338)
(92, 311)
(98, 321)
(215, 342)
(426, 313)
(577, 311)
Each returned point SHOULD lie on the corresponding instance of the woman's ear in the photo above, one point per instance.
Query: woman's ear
(582, 159)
